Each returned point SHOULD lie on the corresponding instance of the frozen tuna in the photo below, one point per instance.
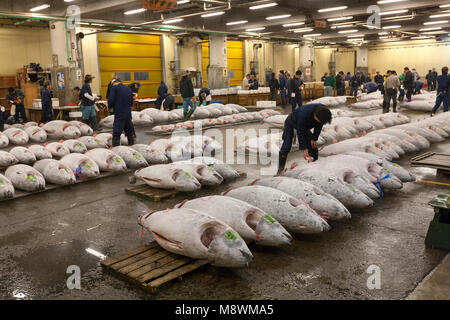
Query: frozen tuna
(16, 136)
(59, 129)
(40, 152)
(250, 222)
(197, 235)
(6, 188)
(55, 172)
(132, 158)
(85, 130)
(74, 146)
(7, 159)
(36, 134)
(24, 155)
(207, 176)
(168, 177)
(25, 178)
(92, 142)
(82, 166)
(152, 156)
(4, 140)
(295, 215)
(57, 149)
(107, 160)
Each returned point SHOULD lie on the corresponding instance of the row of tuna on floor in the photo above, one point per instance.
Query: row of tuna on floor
(80, 161)
(303, 200)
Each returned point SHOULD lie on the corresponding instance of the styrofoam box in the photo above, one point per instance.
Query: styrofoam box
(266, 104)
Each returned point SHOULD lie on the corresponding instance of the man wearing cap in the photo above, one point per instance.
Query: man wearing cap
(187, 92)
(88, 100)
(121, 99)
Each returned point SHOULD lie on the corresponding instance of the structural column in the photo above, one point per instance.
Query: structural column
(63, 43)
(218, 72)
(306, 59)
(362, 60)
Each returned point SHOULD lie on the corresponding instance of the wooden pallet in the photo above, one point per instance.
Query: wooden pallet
(432, 160)
(148, 193)
(150, 266)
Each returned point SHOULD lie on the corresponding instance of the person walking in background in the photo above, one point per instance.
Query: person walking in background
(283, 84)
(429, 78)
(379, 80)
(443, 94)
(355, 83)
(434, 78)
(325, 75)
(340, 84)
(246, 82)
(187, 92)
(274, 86)
(295, 87)
(401, 90)
(348, 77)
(16, 97)
(121, 99)
(254, 85)
(329, 85)
(204, 95)
(135, 86)
(392, 84)
(47, 105)
(408, 83)
(88, 99)
(162, 89)
(371, 87)
(2, 118)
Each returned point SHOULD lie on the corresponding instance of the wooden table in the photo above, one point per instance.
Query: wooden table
(61, 110)
(33, 114)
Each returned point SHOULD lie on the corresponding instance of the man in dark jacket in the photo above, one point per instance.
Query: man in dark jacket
(121, 99)
(443, 91)
(295, 87)
(46, 101)
(408, 83)
(16, 97)
(340, 84)
(2, 118)
(434, 76)
(274, 86)
(325, 75)
(379, 80)
(254, 85)
(135, 86)
(88, 99)
(355, 83)
(162, 89)
(348, 77)
(283, 84)
(187, 92)
(310, 116)
(429, 77)
(110, 85)
(204, 95)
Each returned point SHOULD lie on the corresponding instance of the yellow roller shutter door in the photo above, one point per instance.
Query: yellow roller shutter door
(205, 62)
(235, 56)
(139, 56)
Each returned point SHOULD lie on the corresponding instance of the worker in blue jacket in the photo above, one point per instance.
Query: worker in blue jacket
(283, 84)
(254, 85)
(2, 118)
(443, 95)
(16, 97)
(371, 87)
(309, 116)
(121, 99)
(46, 101)
(162, 89)
(295, 87)
(204, 95)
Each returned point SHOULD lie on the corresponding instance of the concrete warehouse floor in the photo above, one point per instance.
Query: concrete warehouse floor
(41, 235)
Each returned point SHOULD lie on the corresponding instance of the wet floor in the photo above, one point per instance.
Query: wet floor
(42, 235)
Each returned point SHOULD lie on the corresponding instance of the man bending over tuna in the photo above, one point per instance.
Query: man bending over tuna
(303, 120)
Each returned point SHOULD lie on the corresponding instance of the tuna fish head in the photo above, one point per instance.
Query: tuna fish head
(269, 232)
(6, 188)
(115, 163)
(87, 169)
(227, 248)
(209, 176)
(58, 173)
(184, 181)
(70, 131)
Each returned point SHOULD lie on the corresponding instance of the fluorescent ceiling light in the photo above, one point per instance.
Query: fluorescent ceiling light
(440, 15)
(333, 9)
(358, 39)
(382, 33)
(348, 31)
(421, 37)
(134, 11)
(340, 19)
(430, 29)
(278, 17)
(69, 0)
(345, 25)
(236, 22)
(183, 1)
(261, 6)
(435, 22)
(212, 14)
(392, 27)
(255, 29)
(98, 24)
(312, 35)
(388, 1)
(293, 24)
(385, 13)
(39, 8)
(384, 37)
(303, 30)
(444, 6)
(172, 21)
(436, 32)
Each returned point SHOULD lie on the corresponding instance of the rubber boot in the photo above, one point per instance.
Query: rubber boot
(116, 141)
(94, 123)
(282, 158)
(189, 114)
(130, 141)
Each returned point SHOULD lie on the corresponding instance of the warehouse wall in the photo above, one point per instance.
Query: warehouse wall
(284, 57)
(322, 58)
(422, 55)
(20, 46)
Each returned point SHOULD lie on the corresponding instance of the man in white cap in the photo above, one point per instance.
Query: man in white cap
(187, 92)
